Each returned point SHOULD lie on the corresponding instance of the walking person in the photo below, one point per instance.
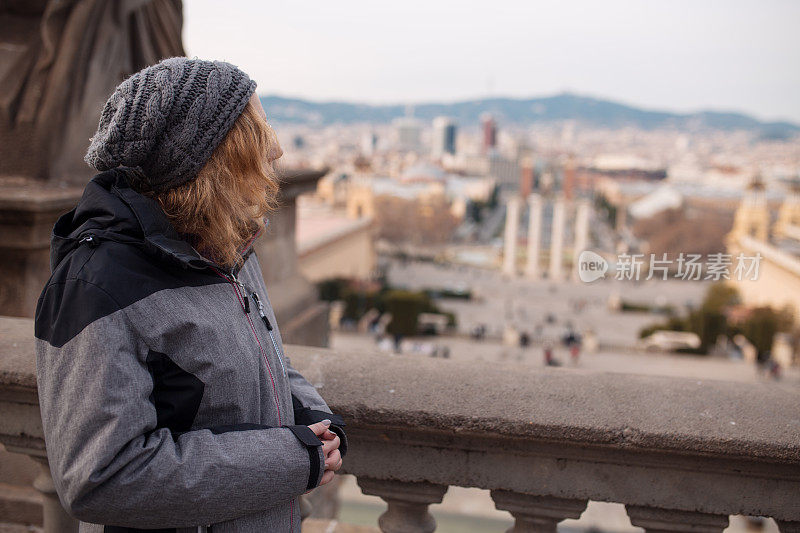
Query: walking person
(167, 400)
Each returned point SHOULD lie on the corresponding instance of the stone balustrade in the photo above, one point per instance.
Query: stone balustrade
(682, 455)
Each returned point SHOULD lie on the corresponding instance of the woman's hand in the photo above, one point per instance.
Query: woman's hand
(330, 449)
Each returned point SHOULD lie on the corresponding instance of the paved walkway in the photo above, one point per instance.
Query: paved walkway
(624, 361)
(525, 304)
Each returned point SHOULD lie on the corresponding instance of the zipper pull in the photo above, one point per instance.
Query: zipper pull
(269, 330)
(261, 311)
(243, 292)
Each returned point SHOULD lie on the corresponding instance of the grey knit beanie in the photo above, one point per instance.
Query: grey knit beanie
(168, 118)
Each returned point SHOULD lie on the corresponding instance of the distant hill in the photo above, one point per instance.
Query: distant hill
(566, 106)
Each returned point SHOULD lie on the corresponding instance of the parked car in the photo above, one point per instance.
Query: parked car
(669, 341)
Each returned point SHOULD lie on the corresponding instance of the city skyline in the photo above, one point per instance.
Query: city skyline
(678, 57)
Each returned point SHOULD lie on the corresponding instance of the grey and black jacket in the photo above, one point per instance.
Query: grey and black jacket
(167, 401)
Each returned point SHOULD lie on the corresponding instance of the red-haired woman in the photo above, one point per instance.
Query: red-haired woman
(167, 401)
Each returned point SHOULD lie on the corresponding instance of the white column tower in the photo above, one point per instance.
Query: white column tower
(534, 235)
(581, 234)
(510, 243)
(557, 239)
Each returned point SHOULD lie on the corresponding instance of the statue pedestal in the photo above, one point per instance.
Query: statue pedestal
(28, 211)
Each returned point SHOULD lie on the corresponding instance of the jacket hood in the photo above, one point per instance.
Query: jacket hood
(111, 210)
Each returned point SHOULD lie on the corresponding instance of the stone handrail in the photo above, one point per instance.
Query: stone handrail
(681, 454)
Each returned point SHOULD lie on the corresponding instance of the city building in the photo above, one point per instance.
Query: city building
(776, 282)
(444, 137)
(332, 244)
(489, 131)
(409, 134)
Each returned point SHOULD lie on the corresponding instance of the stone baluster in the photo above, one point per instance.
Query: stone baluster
(55, 518)
(536, 514)
(407, 502)
(656, 520)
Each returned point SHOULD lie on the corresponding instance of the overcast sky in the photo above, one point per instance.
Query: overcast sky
(680, 55)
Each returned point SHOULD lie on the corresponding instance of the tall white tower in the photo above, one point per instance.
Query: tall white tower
(510, 241)
(557, 239)
(534, 235)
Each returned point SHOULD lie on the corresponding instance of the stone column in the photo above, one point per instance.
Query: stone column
(510, 242)
(581, 234)
(536, 514)
(407, 502)
(534, 235)
(656, 520)
(557, 239)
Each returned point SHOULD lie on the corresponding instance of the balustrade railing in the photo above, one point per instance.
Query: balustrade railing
(682, 455)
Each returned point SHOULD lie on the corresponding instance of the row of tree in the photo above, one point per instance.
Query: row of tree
(716, 316)
(404, 306)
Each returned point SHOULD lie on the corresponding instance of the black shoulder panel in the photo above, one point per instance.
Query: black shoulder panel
(67, 307)
(93, 282)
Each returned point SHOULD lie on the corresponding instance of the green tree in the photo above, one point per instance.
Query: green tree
(720, 296)
(405, 307)
(709, 321)
(762, 325)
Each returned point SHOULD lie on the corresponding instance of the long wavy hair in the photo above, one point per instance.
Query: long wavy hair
(220, 211)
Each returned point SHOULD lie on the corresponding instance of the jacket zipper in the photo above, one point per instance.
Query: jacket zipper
(244, 302)
(263, 316)
(267, 323)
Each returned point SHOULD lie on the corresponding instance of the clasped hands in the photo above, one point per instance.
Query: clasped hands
(330, 449)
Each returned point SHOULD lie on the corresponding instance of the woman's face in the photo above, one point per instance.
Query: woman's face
(276, 151)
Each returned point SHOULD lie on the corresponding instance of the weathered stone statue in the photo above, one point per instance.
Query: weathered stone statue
(59, 61)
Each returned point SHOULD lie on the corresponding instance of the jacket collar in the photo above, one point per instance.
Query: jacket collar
(110, 209)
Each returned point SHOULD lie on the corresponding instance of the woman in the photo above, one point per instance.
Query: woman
(167, 401)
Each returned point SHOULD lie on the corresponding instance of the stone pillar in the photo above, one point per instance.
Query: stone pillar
(557, 239)
(534, 235)
(303, 319)
(536, 514)
(656, 520)
(28, 210)
(407, 502)
(581, 234)
(510, 241)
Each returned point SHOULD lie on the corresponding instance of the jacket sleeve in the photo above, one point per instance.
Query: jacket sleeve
(111, 464)
(310, 408)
